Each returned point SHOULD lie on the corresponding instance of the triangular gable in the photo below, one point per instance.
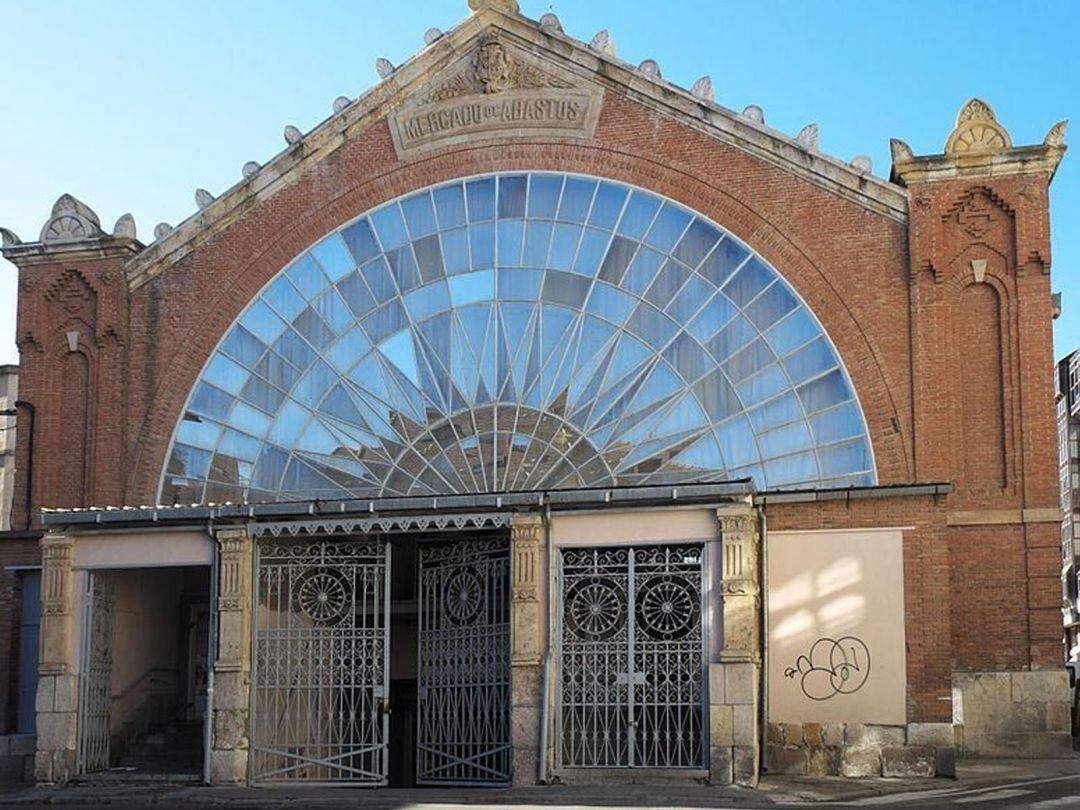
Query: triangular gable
(501, 76)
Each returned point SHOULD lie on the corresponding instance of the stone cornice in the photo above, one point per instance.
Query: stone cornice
(588, 64)
(1039, 159)
(28, 254)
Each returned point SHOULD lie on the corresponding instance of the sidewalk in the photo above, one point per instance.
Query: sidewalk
(114, 790)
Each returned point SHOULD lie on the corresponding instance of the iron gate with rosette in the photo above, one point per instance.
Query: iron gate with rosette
(95, 674)
(463, 694)
(632, 654)
(321, 665)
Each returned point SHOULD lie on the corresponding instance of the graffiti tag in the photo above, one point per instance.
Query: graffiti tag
(832, 667)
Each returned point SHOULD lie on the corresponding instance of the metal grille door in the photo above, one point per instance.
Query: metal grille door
(321, 661)
(95, 675)
(464, 689)
(631, 657)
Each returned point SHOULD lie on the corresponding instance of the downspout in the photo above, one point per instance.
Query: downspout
(763, 707)
(211, 655)
(29, 408)
(545, 696)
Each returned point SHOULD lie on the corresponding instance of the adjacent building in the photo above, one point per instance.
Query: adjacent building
(535, 417)
(1067, 384)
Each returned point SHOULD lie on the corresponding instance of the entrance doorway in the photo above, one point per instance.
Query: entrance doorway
(144, 643)
(631, 658)
(382, 660)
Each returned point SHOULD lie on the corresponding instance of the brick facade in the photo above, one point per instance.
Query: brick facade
(951, 360)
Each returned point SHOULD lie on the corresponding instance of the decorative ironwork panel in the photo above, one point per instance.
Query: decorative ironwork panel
(321, 661)
(464, 688)
(631, 657)
(95, 675)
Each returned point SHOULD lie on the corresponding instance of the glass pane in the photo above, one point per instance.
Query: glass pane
(519, 305)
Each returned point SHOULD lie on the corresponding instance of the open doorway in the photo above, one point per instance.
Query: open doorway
(144, 662)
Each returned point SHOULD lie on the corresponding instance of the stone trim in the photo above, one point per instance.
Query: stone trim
(527, 541)
(57, 700)
(228, 754)
(992, 517)
(554, 48)
(857, 750)
(735, 682)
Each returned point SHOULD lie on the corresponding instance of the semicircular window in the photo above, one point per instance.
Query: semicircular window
(519, 332)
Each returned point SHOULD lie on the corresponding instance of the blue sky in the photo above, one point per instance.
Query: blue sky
(130, 106)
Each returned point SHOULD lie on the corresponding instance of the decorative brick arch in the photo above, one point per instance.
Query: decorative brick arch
(231, 268)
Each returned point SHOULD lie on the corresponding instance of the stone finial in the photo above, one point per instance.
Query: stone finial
(384, 67)
(125, 227)
(71, 220)
(505, 6)
(431, 35)
(292, 134)
(550, 22)
(863, 164)
(703, 89)
(753, 113)
(650, 67)
(977, 130)
(1056, 135)
(340, 103)
(161, 230)
(900, 150)
(251, 168)
(203, 198)
(8, 238)
(808, 137)
(603, 42)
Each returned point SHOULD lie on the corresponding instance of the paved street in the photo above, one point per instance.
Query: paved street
(995, 784)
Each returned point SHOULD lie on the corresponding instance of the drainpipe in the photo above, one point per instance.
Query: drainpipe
(29, 408)
(763, 709)
(545, 697)
(211, 654)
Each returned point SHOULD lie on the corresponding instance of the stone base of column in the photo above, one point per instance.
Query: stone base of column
(229, 751)
(56, 704)
(525, 708)
(734, 750)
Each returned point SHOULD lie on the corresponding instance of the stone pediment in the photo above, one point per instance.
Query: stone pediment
(498, 90)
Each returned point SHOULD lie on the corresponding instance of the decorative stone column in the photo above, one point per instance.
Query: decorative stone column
(232, 666)
(526, 644)
(57, 700)
(733, 683)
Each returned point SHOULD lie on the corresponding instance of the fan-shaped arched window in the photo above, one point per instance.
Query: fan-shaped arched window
(519, 331)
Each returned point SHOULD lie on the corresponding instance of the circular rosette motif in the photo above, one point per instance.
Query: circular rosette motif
(463, 596)
(667, 608)
(595, 609)
(322, 595)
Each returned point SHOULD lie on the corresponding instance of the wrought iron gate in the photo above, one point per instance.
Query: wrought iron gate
(321, 661)
(95, 674)
(464, 689)
(631, 657)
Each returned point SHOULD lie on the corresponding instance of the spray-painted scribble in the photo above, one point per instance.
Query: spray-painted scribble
(832, 667)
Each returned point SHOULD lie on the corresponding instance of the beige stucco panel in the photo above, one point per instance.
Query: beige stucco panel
(844, 586)
(143, 549)
(640, 526)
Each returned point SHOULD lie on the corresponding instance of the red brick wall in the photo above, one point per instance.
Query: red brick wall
(892, 298)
